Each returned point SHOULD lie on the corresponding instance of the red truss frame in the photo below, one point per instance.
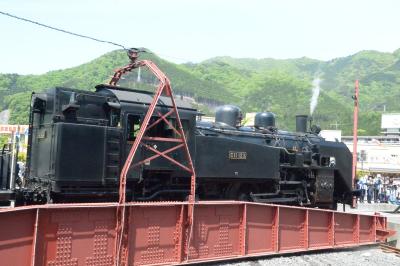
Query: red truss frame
(163, 88)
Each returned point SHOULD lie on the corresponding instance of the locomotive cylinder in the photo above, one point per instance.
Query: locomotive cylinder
(301, 123)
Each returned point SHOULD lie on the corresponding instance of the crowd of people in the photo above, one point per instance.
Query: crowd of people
(377, 188)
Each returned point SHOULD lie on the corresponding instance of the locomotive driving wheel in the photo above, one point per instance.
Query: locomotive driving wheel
(239, 191)
(243, 196)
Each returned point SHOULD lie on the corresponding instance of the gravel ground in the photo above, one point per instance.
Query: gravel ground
(363, 256)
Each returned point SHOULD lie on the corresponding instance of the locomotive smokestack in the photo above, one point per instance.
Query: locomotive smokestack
(301, 123)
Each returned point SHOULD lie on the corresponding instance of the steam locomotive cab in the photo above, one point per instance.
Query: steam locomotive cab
(79, 141)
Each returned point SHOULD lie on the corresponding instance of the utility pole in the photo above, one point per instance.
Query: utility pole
(355, 139)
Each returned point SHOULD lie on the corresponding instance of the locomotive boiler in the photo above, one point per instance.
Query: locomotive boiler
(264, 164)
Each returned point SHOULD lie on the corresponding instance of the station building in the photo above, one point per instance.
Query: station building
(379, 154)
(12, 130)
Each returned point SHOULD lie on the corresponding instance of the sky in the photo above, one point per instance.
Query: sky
(193, 30)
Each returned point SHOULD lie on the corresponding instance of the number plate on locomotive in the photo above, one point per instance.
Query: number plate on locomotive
(237, 155)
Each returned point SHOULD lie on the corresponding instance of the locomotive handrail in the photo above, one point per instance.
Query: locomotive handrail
(164, 87)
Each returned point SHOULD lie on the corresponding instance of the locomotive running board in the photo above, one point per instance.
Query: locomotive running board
(83, 234)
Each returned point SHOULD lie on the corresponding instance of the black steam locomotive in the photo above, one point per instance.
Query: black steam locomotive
(79, 140)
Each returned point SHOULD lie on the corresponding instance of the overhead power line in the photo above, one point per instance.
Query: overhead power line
(80, 35)
(62, 30)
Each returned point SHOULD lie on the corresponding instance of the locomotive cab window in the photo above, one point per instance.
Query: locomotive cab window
(163, 129)
(185, 126)
(159, 129)
(132, 127)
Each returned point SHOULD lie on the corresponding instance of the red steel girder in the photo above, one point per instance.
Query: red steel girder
(158, 232)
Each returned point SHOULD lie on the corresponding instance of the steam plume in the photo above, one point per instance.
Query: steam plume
(315, 94)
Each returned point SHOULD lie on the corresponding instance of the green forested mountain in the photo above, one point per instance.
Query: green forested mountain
(281, 86)
(284, 87)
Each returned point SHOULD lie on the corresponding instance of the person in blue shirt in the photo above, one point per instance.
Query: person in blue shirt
(360, 186)
(370, 189)
(377, 184)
